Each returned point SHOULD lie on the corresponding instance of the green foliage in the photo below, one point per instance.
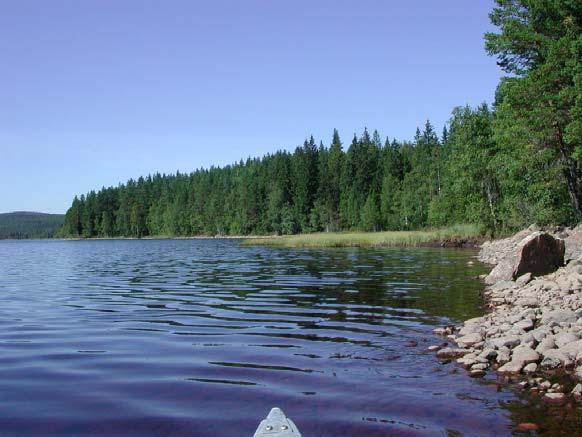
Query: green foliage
(21, 225)
(499, 168)
(537, 124)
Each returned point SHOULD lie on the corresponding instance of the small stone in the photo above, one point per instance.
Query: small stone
(559, 316)
(530, 302)
(557, 398)
(439, 331)
(528, 426)
(470, 339)
(509, 341)
(525, 325)
(433, 348)
(467, 361)
(530, 368)
(488, 354)
(525, 354)
(564, 338)
(477, 373)
(502, 357)
(511, 367)
(450, 353)
(546, 344)
(523, 279)
(479, 366)
(554, 358)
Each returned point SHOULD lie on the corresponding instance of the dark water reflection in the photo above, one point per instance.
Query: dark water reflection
(157, 338)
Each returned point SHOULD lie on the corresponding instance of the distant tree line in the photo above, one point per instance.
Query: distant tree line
(502, 168)
(22, 225)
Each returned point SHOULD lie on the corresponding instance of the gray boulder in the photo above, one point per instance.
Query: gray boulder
(525, 354)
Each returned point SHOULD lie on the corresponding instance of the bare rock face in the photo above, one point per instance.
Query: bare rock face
(539, 255)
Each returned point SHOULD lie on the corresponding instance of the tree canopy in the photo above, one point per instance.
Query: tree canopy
(501, 167)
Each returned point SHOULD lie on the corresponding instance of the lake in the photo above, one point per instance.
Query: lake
(203, 337)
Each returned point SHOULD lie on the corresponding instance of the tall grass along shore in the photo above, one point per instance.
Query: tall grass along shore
(457, 235)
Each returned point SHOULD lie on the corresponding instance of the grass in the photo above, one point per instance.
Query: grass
(369, 239)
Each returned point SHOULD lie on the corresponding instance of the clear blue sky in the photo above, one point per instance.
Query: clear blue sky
(95, 92)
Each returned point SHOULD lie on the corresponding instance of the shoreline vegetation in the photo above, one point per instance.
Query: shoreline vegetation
(454, 236)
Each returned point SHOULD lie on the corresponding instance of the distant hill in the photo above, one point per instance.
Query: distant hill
(23, 224)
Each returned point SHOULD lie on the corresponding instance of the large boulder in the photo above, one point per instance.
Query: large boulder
(539, 255)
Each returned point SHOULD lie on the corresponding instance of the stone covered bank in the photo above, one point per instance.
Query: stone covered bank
(533, 331)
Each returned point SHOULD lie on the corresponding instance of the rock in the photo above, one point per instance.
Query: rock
(557, 398)
(564, 338)
(524, 279)
(573, 246)
(546, 344)
(439, 331)
(529, 302)
(433, 348)
(578, 372)
(557, 354)
(477, 373)
(559, 316)
(467, 361)
(539, 255)
(525, 354)
(470, 339)
(528, 426)
(451, 353)
(502, 271)
(508, 341)
(479, 366)
(577, 392)
(511, 367)
(502, 357)
(470, 328)
(525, 325)
(530, 368)
(488, 354)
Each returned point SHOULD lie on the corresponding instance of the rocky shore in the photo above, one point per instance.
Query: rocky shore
(532, 334)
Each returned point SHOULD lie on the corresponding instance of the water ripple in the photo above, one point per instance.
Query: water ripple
(164, 337)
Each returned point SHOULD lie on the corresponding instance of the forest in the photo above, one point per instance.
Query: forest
(21, 225)
(501, 166)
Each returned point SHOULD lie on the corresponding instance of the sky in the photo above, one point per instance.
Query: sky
(93, 93)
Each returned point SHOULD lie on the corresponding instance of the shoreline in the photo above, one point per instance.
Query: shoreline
(196, 237)
(531, 334)
(460, 236)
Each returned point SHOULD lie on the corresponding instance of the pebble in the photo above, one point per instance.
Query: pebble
(528, 426)
(557, 398)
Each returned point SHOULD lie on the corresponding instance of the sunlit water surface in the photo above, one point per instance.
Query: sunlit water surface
(203, 337)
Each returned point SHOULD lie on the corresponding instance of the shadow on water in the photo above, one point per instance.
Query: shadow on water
(203, 337)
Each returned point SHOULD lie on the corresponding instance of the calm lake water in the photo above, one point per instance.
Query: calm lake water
(203, 337)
